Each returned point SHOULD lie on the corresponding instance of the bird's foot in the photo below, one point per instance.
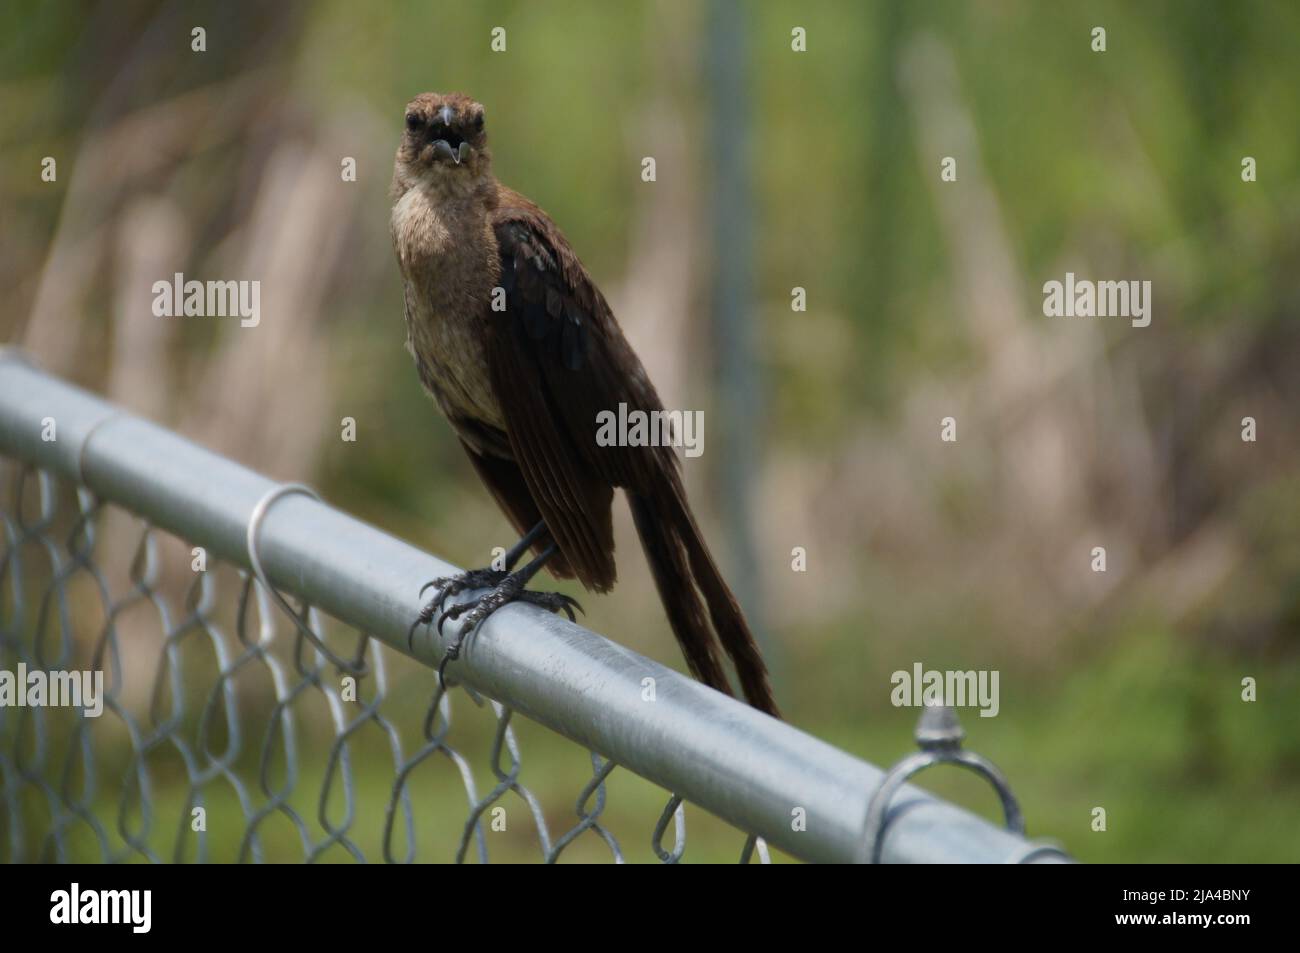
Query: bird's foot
(509, 589)
(447, 586)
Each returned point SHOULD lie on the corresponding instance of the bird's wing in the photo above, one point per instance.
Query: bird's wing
(558, 317)
(558, 359)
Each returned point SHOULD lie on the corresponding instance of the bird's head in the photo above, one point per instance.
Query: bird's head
(444, 138)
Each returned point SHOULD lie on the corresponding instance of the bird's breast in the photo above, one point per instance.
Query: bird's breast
(449, 265)
(451, 356)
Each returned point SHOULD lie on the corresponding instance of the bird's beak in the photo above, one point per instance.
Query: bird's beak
(450, 145)
(442, 149)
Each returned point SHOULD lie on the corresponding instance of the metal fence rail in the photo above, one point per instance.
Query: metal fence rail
(67, 795)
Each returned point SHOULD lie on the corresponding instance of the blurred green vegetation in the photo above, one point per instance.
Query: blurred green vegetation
(924, 300)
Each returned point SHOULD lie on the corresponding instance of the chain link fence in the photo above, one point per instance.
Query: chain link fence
(65, 770)
(258, 702)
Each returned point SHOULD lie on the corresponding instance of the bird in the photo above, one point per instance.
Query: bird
(521, 352)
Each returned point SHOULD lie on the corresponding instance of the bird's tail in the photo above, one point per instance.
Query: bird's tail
(684, 571)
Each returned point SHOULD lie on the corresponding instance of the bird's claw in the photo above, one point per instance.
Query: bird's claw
(454, 613)
(508, 588)
(471, 579)
(555, 602)
(446, 587)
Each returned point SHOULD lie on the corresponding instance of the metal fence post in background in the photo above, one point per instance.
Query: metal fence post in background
(752, 771)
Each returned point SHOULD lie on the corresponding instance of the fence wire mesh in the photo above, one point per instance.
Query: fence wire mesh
(226, 734)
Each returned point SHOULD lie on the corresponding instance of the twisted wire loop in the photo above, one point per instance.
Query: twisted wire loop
(675, 811)
(507, 781)
(755, 843)
(239, 723)
(589, 819)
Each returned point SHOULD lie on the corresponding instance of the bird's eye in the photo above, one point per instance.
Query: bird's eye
(478, 120)
(412, 121)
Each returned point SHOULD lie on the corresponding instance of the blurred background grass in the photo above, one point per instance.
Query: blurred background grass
(1119, 690)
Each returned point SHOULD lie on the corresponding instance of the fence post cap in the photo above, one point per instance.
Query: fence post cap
(938, 729)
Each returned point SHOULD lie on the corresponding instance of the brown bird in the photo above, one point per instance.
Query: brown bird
(521, 351)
